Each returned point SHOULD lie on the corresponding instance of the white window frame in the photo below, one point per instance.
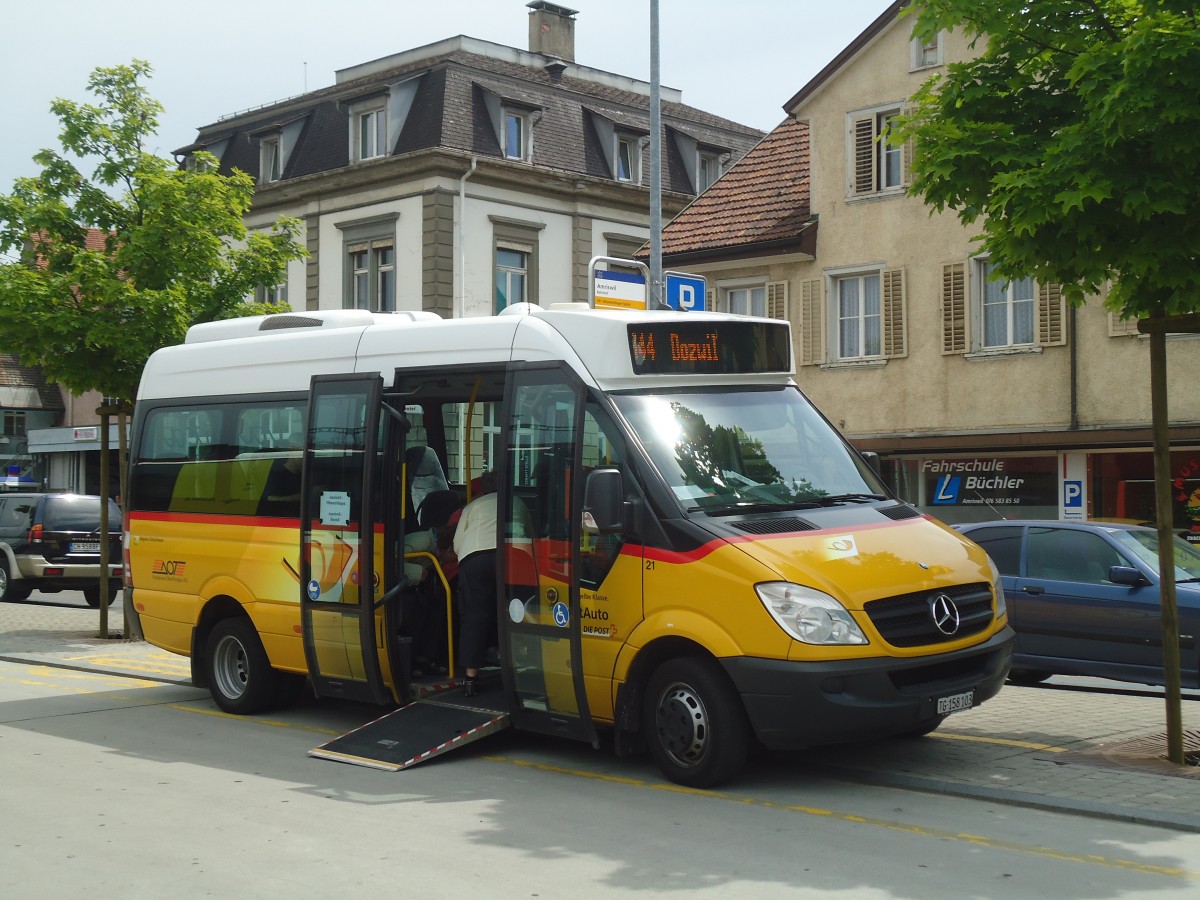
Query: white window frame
(1011, 304)
(861, 317)
(270, 159)
(866, 131)
(368, 138)
(742, 297)
(275, 294)
(509, 272)
(708, 170)
(523, 120)
(372, 276)
(631, 159)
(922, 55)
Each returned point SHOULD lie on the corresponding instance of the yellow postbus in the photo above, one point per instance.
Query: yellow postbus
(690, 556)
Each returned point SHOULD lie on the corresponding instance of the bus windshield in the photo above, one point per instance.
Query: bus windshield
(747, 450)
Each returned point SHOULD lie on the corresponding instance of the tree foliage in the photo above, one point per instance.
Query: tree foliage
(176, 251)
(1075, 137)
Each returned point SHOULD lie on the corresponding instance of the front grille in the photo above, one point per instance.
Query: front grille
(906, 620)
(774, 526)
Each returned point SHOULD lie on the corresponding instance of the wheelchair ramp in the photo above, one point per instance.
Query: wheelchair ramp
(417, 732)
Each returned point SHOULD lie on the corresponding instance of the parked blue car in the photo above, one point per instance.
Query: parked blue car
(1083, 599)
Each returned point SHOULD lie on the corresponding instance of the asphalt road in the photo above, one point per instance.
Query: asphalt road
(120, 787)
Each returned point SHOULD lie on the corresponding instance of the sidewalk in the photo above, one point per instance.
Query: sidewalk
(1052, 747)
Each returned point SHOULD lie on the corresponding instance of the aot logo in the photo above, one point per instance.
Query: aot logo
(169, 567)
(947, 489)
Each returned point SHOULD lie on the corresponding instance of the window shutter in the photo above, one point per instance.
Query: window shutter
(1051, 316)
(864, 156)
(812, 328)
(907, 152)
(894, 334)
(954, 308)
(1118, 327)
(777, 300)
(710, 300)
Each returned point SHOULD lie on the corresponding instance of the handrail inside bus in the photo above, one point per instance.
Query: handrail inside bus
(437, 567)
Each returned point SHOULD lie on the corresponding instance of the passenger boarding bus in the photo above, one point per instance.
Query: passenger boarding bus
(690, 556)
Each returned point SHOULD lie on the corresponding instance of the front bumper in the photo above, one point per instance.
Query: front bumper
(804, 704)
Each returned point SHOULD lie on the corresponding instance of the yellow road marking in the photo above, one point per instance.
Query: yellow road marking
(976, 840)
(219, 714)
(1003, 742)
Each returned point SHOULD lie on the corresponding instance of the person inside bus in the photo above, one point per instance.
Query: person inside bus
(475, 548)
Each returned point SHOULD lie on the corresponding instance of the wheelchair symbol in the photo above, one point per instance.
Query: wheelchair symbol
(561, 615)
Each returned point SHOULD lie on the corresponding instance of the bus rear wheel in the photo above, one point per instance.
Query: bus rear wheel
(695, 723)
(240, 676)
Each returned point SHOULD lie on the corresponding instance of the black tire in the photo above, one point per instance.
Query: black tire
(92, 595)
(240, 676)
(9, 589)
(695, 723)
(1028, 676)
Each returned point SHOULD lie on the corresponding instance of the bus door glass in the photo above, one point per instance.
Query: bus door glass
(337, 546)
(540, 500)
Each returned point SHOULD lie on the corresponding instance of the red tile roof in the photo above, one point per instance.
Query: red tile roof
(762, 199)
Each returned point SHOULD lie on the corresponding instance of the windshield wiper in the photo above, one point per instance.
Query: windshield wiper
(750, 506)
(848, 498)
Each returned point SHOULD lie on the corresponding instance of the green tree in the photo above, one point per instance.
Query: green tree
(1074, 136)
(176, 250)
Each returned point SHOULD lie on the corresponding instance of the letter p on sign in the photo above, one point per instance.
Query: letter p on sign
(1072, 494)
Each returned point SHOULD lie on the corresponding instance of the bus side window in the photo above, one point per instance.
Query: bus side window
(602, 446)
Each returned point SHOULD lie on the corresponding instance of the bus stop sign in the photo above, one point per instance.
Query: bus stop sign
(685, 292)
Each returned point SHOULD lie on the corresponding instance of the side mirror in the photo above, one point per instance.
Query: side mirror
(872, 459)
(1126, 575)
(603, 501)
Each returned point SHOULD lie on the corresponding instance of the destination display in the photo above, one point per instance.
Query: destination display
(709, 348)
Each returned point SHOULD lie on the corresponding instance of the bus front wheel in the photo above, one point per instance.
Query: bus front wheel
(695, 723)
(240, 676)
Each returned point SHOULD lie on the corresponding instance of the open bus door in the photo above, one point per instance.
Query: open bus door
(337, 538)
(540, 503)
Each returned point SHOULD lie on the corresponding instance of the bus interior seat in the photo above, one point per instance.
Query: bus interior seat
(423, 474)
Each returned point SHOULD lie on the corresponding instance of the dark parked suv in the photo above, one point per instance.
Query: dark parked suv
(51, 542)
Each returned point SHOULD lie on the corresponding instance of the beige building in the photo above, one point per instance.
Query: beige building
(464, 176)
(983, 398)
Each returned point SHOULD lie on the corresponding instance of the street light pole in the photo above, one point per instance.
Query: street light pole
(656, 278)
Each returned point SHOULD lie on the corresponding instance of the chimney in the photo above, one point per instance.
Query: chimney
(552, 30)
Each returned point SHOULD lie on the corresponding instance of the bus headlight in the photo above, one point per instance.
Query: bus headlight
(809, 615)
(1001, 605)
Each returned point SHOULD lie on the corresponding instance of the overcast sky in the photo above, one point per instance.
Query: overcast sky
(742, 60)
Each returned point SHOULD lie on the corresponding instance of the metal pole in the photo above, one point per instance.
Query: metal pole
(1166, 538)
(655, 166)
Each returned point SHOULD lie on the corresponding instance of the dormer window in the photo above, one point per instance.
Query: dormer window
(270, 164)
(370, 126)
(625, 158)
(708, 170)
(516, 134)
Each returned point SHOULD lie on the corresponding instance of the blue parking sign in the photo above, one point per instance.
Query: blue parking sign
(685, 292)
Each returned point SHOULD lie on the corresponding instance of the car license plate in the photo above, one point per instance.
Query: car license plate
(955, 703)
(85, 546)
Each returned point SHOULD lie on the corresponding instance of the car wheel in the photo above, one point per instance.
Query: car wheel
(695, 723)
(1028, 676)
(92, 596)
(240, 676)
(5, 590)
